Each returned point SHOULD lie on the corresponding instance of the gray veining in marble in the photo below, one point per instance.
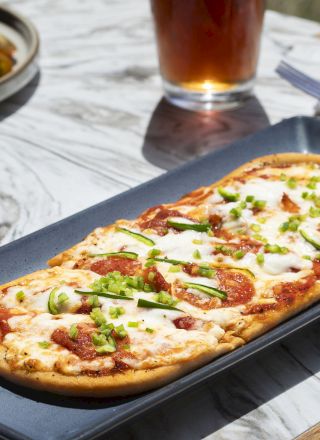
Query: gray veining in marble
(93, 124)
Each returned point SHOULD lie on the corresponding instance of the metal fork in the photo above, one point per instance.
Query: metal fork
(299, 79)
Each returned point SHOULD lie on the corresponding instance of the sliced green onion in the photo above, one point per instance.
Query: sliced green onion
(133, 324)
(206, 272)
(283, 177)
(174, 269)
(105, 295)
(196, 254)
(129, 255)
(120, 331)
(98, 317)
(154, 252)
(164, 298)
(153, 305)
(106, 329)
(314, 212)
(309, 239)
(196, 241)
(20, 295)
(199, 227)
(44, 344)
(292, 183)
(249, 199)
(62, 298)
(255, 228)
(170, 261)
(236, 212)
(53, 309)
(260, 259)
(226, 195)
(115, 312)
(107, 348)
(150, 262)
(99, 339)
(211, 291)
(238, 254)
(275, 249)
(149, 330)
(73, 332)
(137, 236)
(94, 301)
(243, 269)
(259, 204)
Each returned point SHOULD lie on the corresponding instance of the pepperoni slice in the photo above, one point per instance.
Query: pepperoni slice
(215, 221)
(197, 301)
(159, 221)
(286, 292)
(191, 269)
(238, 286)
(157, 281)
(316, 268)
(288, 205)
(185, 323)
(125, 266)
(82, 346)
(85, 307)
(245, 244)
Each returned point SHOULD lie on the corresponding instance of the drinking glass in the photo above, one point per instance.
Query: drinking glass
(208, 50)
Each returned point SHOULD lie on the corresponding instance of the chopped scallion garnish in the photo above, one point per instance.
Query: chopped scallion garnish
(211, 291)
(260, 259)
(115, 312)
(62, 298)
(228, 196)
(309, 239)
(53, 309)
(44, 344)
(153, 305)
(104, 294)
(137, 236)
(199, 227)
(73, 332)
(20, 295)
(197, 254)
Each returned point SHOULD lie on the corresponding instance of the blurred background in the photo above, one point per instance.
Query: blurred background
(302, 8)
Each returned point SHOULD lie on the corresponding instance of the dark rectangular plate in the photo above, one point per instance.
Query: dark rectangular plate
(28, 414)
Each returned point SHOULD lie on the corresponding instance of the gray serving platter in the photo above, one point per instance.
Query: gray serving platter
(28, 414)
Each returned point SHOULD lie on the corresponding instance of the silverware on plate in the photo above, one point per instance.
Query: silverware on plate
(301, 81)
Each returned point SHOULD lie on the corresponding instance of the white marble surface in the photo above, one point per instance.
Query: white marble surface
(93, 124)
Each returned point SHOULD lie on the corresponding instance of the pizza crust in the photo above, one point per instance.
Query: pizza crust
(258, 324)
(120, 384)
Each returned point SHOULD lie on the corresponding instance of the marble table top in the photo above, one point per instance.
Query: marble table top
(93, 124)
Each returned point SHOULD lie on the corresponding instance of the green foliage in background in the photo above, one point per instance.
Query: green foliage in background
(302, 8)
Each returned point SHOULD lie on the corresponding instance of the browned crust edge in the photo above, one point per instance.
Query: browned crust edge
(120, 384)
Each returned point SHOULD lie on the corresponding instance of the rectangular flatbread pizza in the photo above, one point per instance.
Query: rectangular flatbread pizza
(141, 302)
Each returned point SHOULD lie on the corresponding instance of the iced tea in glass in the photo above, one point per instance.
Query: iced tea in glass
(208, 49)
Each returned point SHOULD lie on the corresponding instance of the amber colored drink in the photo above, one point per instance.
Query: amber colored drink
(208, 49)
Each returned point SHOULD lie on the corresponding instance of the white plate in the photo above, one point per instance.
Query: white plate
(24, 36)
